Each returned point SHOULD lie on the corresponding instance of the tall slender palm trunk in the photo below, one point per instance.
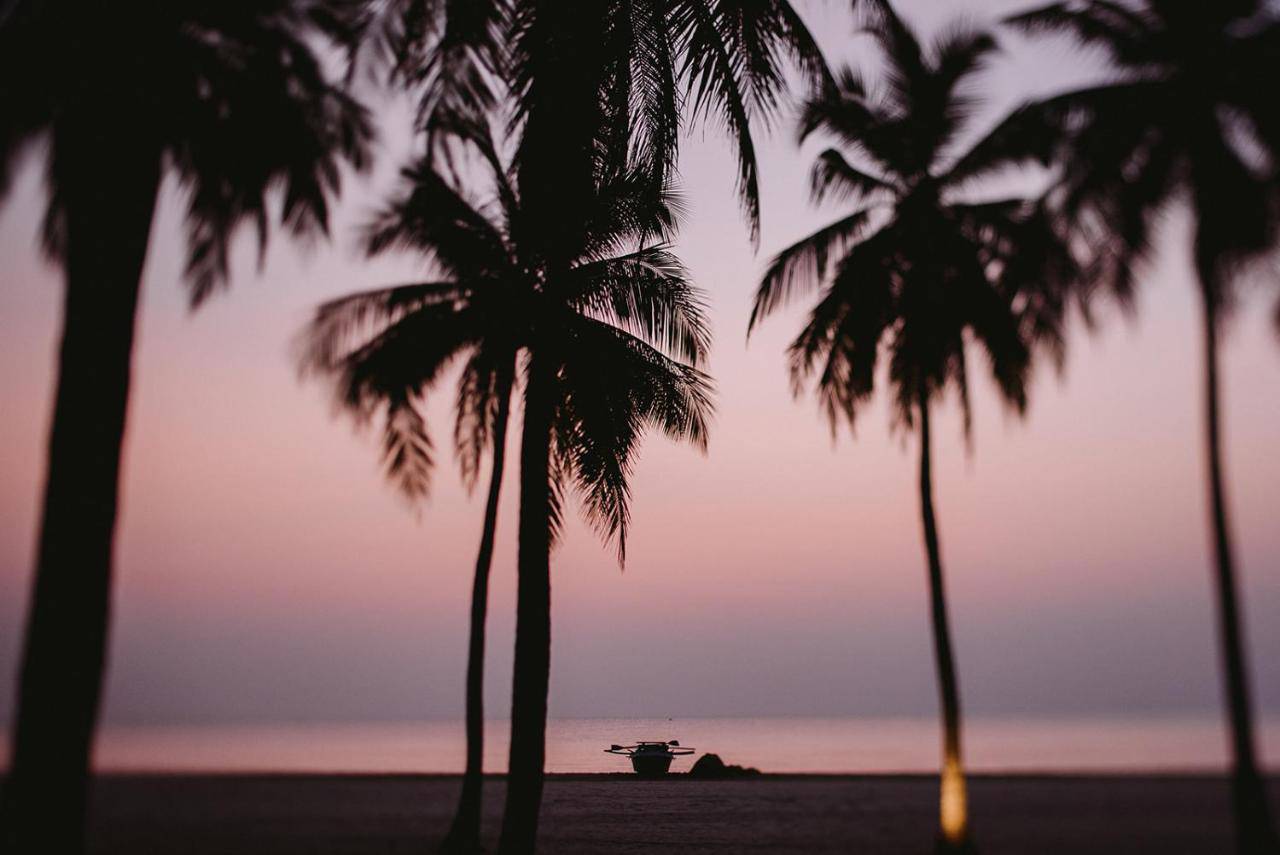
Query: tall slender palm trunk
(533, 620)
(464, 834)
(954, 801)
(110, 193)
(1255, 832)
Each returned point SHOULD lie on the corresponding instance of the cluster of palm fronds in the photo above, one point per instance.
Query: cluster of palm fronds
(543, 208)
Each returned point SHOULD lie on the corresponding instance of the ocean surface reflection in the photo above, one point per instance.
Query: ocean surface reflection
(828, 745)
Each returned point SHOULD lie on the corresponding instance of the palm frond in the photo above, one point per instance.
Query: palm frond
(471, 129)
(341, 324)
(487, 379)
(407, 455)
(957, 54)
(714, 81)
(389, 370)
(627, 211)
(1116, 28)
(905, 64)
(403, 359)
(990, 316)
(761, 37)
(656, 101)
(434, 219)
(648, 294)
(613, 386)
(1237, 219)
(1032, 133)
(558, 476)
(843, 110)
(840, 343)
(448, 52)
(804, 263)
(270, 116)
(834, 177)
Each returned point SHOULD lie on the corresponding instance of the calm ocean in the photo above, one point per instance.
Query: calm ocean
(772, 744)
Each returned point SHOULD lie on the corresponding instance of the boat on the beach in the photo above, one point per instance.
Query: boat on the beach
(650, 759)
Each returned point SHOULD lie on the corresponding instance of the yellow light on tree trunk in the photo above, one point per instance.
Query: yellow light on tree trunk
(955, 802)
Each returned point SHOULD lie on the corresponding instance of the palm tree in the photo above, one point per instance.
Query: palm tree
(916, 273)
(604, 344)
(607, 83)
(1185, 119)
(384, 349)
(232, 101)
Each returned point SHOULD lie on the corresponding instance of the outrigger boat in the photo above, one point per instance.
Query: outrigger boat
(650, 759)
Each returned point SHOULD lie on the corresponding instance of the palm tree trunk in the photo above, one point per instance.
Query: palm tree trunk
(564, 119)
(954, 809)
(1255, 833)
(533, 621)
(464, 834)
(109, 193)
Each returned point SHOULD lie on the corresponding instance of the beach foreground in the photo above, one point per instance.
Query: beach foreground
(877, 815)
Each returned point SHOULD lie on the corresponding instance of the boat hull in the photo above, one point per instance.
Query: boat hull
(652, 765)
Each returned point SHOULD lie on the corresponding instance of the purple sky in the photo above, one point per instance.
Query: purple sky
(265, 572)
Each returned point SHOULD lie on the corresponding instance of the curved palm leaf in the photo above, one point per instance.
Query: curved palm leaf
(804, 264)
(833, 177)
(614, 386)
(648, 294)
(434, 219)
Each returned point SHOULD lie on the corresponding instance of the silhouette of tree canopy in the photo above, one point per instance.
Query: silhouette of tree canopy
(917, 264)
(1187, 118)
(624, 325)
(1185, 114)
(231, 96)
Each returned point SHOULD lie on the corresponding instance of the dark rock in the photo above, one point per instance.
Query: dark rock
(711, 766)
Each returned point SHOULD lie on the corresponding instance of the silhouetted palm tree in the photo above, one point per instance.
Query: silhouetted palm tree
(1188, 118)
(915, 273)
(603, 343)
(607, 83)
(386, 348)
(231, 100)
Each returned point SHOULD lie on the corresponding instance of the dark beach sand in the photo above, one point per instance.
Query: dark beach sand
(1046, 815)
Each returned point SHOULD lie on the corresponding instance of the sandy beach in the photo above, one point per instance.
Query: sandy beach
(877, 815)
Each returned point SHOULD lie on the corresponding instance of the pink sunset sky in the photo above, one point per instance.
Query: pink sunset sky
(267, 573)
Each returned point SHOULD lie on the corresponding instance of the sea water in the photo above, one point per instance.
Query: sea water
(791, 744)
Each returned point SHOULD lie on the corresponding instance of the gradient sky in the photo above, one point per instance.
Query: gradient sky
(267, 573)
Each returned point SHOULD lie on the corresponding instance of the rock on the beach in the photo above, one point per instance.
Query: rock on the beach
(711, 766)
